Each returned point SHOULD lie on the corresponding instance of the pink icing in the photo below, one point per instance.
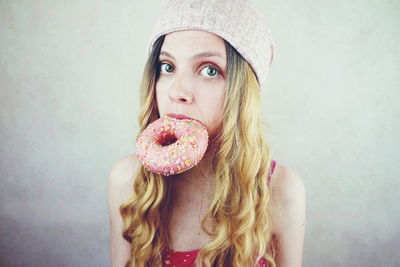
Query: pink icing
(185, 153)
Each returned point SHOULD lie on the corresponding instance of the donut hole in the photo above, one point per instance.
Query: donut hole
(168, 140)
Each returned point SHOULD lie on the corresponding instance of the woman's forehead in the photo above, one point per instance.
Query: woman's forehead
(193, 42)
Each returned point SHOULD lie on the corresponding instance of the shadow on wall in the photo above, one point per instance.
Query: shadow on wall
(353, 249)
(24, 244)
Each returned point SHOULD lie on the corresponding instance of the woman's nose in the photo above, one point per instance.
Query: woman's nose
(180, 91)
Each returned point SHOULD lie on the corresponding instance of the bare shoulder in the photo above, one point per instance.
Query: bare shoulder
(123, 171)
(288, 208)
(120, 187)
(286, 185)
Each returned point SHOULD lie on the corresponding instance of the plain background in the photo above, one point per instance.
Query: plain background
(69, 77)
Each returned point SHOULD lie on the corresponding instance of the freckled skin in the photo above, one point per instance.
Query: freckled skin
(193, 87)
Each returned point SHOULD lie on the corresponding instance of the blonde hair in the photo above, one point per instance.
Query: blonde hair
(240, 218)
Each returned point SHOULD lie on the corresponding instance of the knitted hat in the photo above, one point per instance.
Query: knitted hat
(236, 21)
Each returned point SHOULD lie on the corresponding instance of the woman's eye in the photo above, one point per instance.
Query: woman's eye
(210, 70)
(168, 68)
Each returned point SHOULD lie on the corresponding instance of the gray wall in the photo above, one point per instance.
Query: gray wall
(69, 75)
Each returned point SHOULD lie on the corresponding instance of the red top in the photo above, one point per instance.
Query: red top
(187, 258)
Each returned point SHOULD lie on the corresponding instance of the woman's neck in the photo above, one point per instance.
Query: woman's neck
(194, 182)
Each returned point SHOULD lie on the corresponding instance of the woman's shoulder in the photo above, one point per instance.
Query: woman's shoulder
(120, 183)
(287, 196)
(123, 170)
(283, 177)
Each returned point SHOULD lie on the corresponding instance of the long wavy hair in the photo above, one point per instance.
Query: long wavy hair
(239, 210)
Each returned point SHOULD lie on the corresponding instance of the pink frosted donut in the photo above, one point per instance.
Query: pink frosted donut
(160, 154)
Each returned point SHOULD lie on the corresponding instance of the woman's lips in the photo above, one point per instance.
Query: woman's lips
(178, 116)
(181, 117)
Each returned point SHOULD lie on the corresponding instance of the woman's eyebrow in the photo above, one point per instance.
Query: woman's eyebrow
(200, 55)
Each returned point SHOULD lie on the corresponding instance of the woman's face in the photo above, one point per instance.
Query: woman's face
(192, 81)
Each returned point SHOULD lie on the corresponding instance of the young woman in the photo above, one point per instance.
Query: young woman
(237, 207)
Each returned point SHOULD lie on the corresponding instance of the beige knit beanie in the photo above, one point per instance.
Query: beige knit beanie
(236, 21)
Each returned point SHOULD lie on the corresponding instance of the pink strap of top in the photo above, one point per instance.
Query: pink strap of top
(187, 258)
(271, 170)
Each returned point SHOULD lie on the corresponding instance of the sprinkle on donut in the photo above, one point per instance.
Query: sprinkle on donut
(159, 155)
